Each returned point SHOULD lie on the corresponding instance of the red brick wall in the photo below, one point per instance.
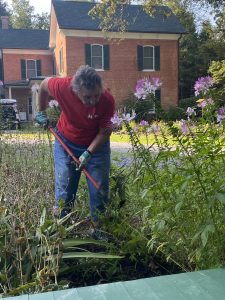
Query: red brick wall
(123, 73)
(12, 65)
(21, 95)
(61, 43)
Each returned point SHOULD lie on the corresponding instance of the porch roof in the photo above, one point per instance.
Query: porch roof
(24, 39)
(23, 83)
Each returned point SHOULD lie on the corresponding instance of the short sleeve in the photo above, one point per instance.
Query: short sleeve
(109, 109)
(55, 87)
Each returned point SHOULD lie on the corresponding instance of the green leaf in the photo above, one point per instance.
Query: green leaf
(88, 255)
(205, 233)
(220, 197)
(78, 242)
(178, 207)
(196, 237)
(43, 216)
(144, 193)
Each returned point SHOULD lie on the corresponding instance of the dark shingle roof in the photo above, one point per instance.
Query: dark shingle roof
(24, 39)
(74, 15)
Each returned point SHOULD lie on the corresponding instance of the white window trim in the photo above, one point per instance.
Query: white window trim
(150, 70)
(35, 67)
(61, 62)
(102, 56)
(152, 111)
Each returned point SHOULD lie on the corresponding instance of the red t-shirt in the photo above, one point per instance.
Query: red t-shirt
(79, 123)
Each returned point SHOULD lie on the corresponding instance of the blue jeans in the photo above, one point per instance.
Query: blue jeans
(67, 178)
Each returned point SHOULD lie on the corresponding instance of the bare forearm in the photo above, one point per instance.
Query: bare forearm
(43, 95)
(99, 140)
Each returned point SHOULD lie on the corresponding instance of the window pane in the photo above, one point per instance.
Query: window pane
(31, 68)
(30, 64)
(31, 73)
(96, 50)
(148, 51)
(97, 62)
(148, 63)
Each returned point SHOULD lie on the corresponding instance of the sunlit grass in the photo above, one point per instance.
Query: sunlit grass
(115, 137)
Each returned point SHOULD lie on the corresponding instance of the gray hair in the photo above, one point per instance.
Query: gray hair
(87, 77)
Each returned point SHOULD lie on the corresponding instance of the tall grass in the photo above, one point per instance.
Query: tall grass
(33, 243)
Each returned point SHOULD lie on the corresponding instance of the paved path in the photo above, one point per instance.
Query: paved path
(120, 147)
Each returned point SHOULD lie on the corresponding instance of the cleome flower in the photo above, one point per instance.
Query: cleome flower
(147, 86)
(184, 127)
(143, 123)
(190, 112)
(128, 117)
(53, 103)
(118, 120)
(220, 114)
(202, 85)
(204, 102)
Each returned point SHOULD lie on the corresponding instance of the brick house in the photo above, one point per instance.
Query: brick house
(149, 47)
(25, 59)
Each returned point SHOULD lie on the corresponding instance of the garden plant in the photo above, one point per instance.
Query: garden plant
(166, 213)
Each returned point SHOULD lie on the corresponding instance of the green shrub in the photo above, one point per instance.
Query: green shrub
(174, 113)
(217, 69)
(182, 192)
(144, 109)
(187, 102)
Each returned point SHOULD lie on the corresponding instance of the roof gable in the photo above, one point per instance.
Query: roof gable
(24, 39)
(74, 15)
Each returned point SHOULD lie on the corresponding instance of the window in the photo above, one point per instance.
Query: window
(148, 58)
(61, 65)
(97, 56)
(30, 68)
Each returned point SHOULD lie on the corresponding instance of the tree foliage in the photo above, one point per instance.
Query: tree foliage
(217, 69)
(4, 11)
(22, 16)
(41, 21)
(112, 12)
(188, 58)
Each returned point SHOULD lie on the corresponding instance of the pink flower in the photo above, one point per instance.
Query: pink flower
(55, 210)
(221, 114)
(156, 83)
(190, 112)
(183, 126)
(53, 103)
(204, 102)
(128, 117)
(203, 84)
(116, 120)
(145, 87)
(154, 128)
(143, 123)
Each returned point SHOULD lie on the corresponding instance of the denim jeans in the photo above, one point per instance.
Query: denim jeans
(67, 177)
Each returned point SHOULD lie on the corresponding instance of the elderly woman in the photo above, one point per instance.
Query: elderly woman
(85, 127)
